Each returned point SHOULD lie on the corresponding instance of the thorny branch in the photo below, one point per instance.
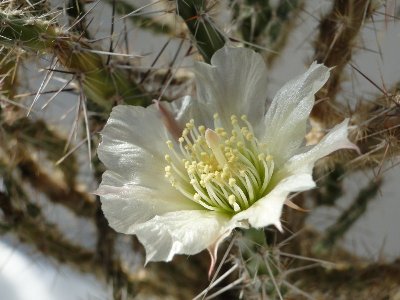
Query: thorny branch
(338, 34)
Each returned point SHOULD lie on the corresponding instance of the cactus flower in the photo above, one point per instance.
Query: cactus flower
(181, 176)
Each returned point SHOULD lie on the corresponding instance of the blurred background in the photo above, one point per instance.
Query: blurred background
(65, 64)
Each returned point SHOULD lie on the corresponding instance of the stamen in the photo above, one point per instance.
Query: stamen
(220, 171)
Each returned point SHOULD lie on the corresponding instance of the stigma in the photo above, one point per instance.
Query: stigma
(221, 169)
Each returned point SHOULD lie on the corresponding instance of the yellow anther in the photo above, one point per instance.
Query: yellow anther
(189, 126)
(167, 169)
(231, 199)
(269, 157)
(167, 157)
(244, 117)
(185, 132)
(191, 171)
(181, 140)
(232, 202)
(196, 197)
(249, 136)
(232, 181)
(224, 175)
(220, 131)
(234, 120)
(261, 156)
(170, 144)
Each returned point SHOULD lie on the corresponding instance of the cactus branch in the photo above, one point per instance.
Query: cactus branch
(208, 38)
(103, 85)
(350, 215)
(338, 32)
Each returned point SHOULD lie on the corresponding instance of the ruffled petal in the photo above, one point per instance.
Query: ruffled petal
(234, 83)
(133, 142)
(126, 205)
(295, 176)
(181, 232)
(267, 211)
(336, 139)
(286, 119)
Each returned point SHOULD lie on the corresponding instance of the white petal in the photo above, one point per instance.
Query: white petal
(268, 210)
(336, 139)
(125, 205)
(286, 119)
(181, 232)
(188, 108)
(133, 140)
(234, 83)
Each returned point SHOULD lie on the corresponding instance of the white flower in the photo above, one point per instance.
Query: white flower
(182, 176)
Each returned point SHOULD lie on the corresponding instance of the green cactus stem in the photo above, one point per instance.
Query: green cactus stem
(208, 38)
(102, 84)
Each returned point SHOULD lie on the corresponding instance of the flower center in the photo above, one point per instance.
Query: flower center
(220, 170)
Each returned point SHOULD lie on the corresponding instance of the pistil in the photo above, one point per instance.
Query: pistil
(213, 141)
(220, 171)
